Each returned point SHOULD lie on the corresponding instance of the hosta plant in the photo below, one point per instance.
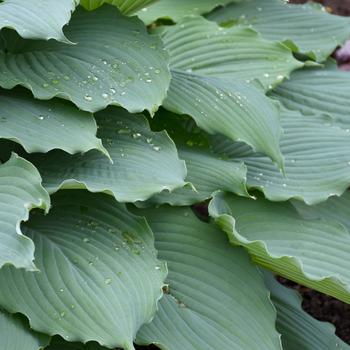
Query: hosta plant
(161, 162)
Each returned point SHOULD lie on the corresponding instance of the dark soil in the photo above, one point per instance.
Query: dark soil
(324, 308)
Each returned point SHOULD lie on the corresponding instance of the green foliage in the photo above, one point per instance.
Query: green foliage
(116, 117)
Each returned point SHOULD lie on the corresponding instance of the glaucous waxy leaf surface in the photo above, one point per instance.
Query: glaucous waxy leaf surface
(37, 19)
(316, 159)
(144, 162)
(16, 335)
(56, 123)
(115, 62)
(99, 278)
(298, 329)
(318, 91)
(208, 64)
(215, 293)
(175, 10)
(127, 7)
(311, 252)
(20, 191)
(203, 48)
(307, 28)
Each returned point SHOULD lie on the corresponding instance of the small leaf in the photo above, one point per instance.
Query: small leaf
(115, 62)
(127, 7)
(216, 298)
(306, 28)
(57, 124)
(298, 329)
(16, 335)
(313, 253)
(99, 276)
(37, 19)
(144, 162)
(178, 9)
(20, 191)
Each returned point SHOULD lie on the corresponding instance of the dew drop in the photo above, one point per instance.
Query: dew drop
(86, 240)
(108, 281)
(156, 148)
(105, 95)
(88, 98)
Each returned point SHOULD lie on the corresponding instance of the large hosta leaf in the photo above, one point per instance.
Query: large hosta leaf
(15, 334)
(144, 162)
(307, 28)
(299, 330)
(216, 298)
(208, 65)
(317, 160)
(203, 48)
(311, 252)
(99, 275)
(114, 62)
(239, 111)
(37, 19)
(308, 91)
(20, 190)
(176, 10)
(126, 6)
(41, 126)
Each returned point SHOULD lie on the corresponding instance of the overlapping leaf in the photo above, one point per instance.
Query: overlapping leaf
(16, 335)
(298, 329)
(55, 123)
(144, 162)
(99, 275)
(311, 252)
(115, 62)
(215, 294)
(37, 19)
(176, 10)
(203, 48)
(307, 28)
(207, 64)
(317, 160)
(126, 6)
(308, 91)
(20, 190)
